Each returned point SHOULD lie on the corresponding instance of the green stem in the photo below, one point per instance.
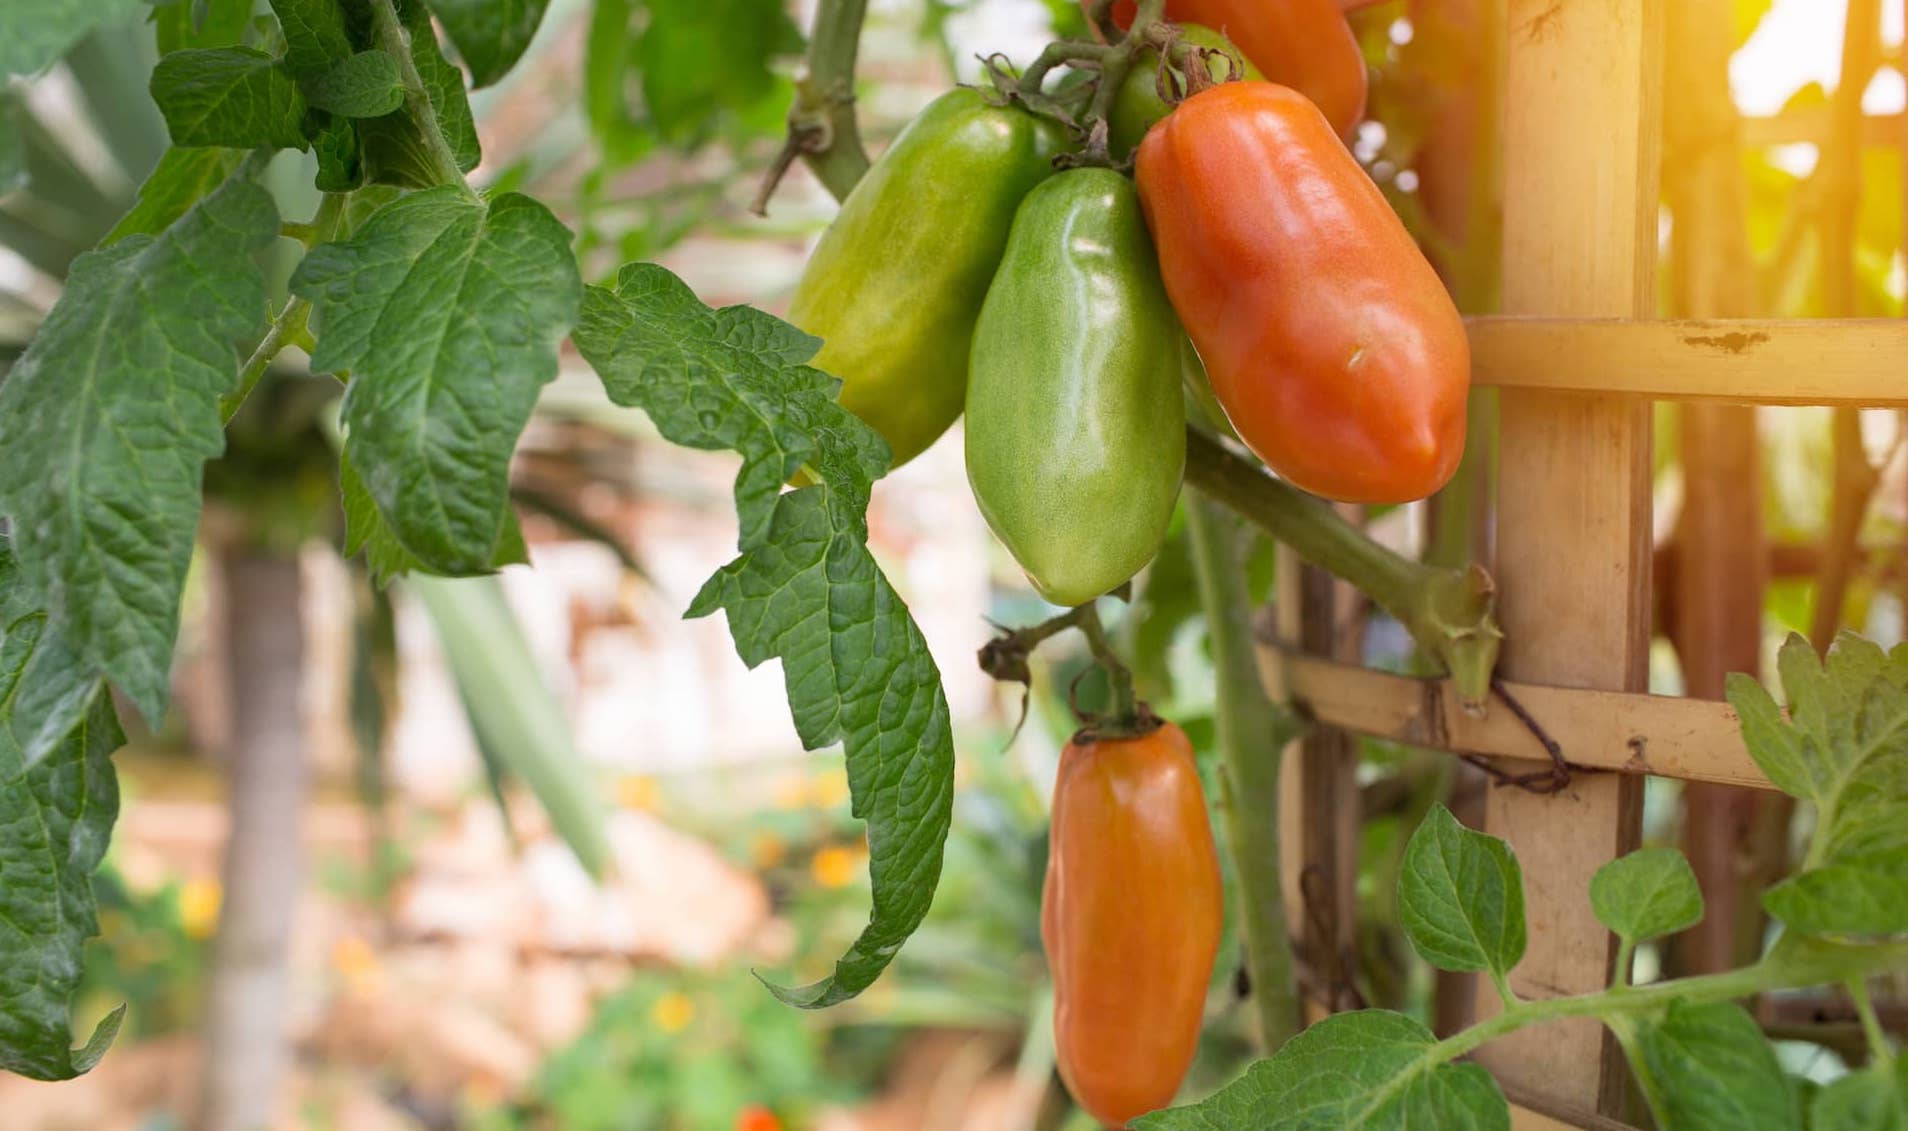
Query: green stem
(1878, 1049)
(1119, 678)
(1450, 612)
(395, 41)
(1253, 732)
(289, 327)
(822, 122)
(1625, 960)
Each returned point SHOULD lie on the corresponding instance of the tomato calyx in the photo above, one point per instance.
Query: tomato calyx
(1006, 659)
(1096, 728)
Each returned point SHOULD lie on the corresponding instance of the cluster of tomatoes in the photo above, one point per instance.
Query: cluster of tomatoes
(1070, 314)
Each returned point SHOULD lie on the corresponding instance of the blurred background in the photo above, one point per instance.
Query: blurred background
(533, 838)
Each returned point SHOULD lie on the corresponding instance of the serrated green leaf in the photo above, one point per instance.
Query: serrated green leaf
(804, 588)
(1649, 893)
(447, 313)
(1365, 1069)
(1844, 747)
(1709, 1068)
(1874, 1099)
(108, 418)
(1461, 897)
(316, 36)
(52, 685)
(56, 813)
(490, 35)
(340, 160)
(182, 178)
(366, 85)
(34, 33)
(366, 530)
(230, 96)
(704, 60)
(393, 150)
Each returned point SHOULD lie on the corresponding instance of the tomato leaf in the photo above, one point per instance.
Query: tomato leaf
(804, 588)
(56, 813)
(108, 418)
(366, 530)
(447, 312)
(182, 178)
(1649, 893)
(33, 33)
(1843, 747)
(230, 96)
(1874, 1099)
(365, 85)
(1709, 1068)
(13, 159)
(316, 38)
(1365, 1069)
(391, 144)
(490, 35)
(1461, 897)
(704, 61)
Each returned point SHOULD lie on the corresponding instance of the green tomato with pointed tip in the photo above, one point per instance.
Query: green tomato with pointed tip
(1138, 105)
(896, 282)
(1076, 424)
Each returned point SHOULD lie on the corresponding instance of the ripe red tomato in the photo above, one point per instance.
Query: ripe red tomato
(1130, 918)
(1303, 44)
(755, 1117)
(1335, 350)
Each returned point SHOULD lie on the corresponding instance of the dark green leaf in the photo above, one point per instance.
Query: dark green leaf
(13, 158)
(490, 35)
(393, 150)
(702, 60)
(1874, 1099)
(366, 530)
(1649, 893)
(447, 312)
(33, 33)
(1709, 1068)
(230, 96)
(1365, 1070)
(316, 38)
(340, 161)
(182, 179)
(188, 23)
(366, 85)
(606, 83)
(56, 813)
(1461, 897)
(52, 685)
(805, 587)
(108, 418)
(1844, 748)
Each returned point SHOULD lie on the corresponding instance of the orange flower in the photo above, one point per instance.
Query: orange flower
(755, 1117)
(835, 866)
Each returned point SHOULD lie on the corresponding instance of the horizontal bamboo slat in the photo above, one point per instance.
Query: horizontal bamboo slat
(1626, 732)
(1796, 361)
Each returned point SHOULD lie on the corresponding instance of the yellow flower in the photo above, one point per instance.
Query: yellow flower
(830, 788)
(637, 791)
(673, 1012)
(767, 850)
(835, 866)
(354, 958)
(199, 908)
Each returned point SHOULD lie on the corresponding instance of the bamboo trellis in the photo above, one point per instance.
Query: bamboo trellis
(1578, 356)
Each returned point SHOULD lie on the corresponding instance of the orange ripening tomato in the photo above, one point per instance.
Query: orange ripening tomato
(1130, 918)
(1303, 44)
(1333, 347)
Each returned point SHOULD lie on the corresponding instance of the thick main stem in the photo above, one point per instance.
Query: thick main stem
(825, 102)
(1253, 732)
(395, 40)
(1451, 613)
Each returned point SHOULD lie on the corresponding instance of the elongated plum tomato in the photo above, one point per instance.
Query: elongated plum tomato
(1303, 44)
(1076, 425)
(1130, 918)
(896, 282)
(1338, 356)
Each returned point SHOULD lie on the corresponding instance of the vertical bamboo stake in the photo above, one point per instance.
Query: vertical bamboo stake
(1720, 564)
(1580, 225)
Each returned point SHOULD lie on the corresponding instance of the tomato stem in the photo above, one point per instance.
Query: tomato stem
(1126, 717)
(822, 129)
(1451, 613)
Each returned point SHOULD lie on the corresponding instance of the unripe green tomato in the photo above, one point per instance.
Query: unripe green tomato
(1075, 414)
(896, 282)
(1138, 104)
